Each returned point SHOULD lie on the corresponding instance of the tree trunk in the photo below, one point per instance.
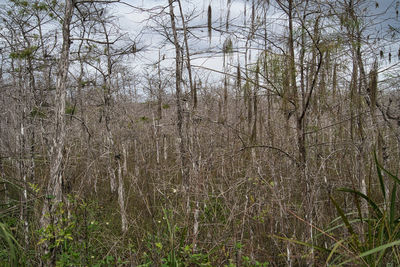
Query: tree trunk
(179, 110)
(56, 181)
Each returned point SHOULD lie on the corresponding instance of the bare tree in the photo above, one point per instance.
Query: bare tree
(57, 157)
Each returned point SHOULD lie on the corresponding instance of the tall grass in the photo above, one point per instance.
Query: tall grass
(372, 239)
(10, 249)
(362, 239)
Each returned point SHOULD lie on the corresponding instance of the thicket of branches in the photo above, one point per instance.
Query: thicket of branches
(175, 163)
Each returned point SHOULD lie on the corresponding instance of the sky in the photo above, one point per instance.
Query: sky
(134, 21)
(208, 55)
(153, 42)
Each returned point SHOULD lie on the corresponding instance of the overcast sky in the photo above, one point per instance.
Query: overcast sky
(134, 21)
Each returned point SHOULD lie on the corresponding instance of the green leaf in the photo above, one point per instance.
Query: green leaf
(393, 205)
(343, 216)
(301, 243)
(159, 245)
(335, 247)
(339, 226)
(372, 251)
(12, 244)
(394, 177)
(380, 176)
(370, 202)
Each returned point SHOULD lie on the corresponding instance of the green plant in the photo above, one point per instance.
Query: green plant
(167, 247)
(9, 247)
(247, 262)
(370, 239)
(376, 242)
(78, 236)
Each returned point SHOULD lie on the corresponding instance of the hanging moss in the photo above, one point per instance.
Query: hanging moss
(334, 79)
(253, 26)
(257, 68)
(373, 85)
(285, 92)
(238, 76)
(209, 22)
(195, 95)
(228, 6)
(228, 46)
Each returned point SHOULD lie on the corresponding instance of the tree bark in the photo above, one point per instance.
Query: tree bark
(179, 110)
(57, 160)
